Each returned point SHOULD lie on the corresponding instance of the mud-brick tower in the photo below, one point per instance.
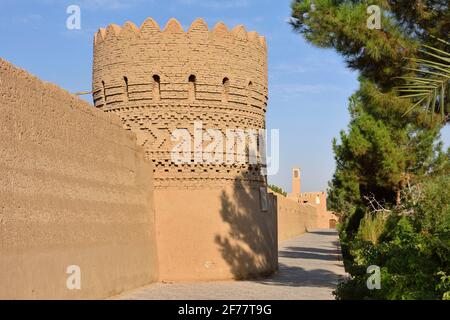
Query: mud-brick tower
(213, 220)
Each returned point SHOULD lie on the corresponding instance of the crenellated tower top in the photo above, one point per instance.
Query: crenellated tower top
(150, 28)
(147, 54)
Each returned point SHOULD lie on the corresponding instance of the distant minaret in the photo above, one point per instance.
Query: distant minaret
(296, 181)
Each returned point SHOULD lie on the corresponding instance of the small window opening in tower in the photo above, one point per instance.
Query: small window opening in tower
(104, 92)
(125, 80)
(156, 87)
(225, 89)
(250, 93)
(192, 87)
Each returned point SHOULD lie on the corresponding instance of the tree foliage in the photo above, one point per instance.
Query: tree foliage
(277, 189)
(377, 54)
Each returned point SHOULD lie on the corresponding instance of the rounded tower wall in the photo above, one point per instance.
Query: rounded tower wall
(160, 80)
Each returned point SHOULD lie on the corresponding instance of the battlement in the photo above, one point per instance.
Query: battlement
(150, 28)
(142, 65)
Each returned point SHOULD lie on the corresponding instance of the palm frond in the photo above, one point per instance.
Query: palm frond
(429, 86)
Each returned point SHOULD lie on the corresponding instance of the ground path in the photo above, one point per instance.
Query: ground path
(310, 267)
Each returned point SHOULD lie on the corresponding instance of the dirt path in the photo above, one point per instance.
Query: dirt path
(310, 267)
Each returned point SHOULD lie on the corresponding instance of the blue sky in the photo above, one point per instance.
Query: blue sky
(309, 87)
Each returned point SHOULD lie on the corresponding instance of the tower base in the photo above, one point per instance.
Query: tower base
(214, 234)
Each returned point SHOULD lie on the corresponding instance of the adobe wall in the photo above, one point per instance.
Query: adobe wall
(294, 219)
(313, 198)
(217, 233)
(74, 190)
(324, 219)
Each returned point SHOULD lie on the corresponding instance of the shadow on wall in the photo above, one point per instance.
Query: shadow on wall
(250, 248)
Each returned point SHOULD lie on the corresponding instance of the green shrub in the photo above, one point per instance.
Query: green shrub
(277, 189)
(411, 246)
(372, 227)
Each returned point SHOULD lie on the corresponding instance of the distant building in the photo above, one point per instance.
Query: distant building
(318, 198)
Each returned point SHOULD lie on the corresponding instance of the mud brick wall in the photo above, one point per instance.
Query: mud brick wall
(75, 189)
